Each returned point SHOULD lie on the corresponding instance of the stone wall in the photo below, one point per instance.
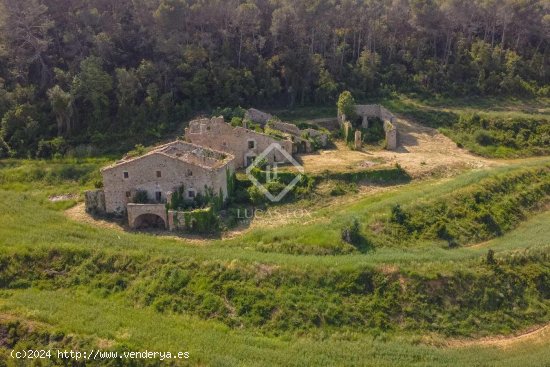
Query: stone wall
(95, 201)
(243, 143)
(300, 138)
(347, 130)
(322, 138)
(284, 127)
(391, 135)
(142, 175)
(357, 142)
(257, 116)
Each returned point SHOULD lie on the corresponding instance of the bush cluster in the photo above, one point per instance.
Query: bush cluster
(473, 214)
(502, 137)
(278, 299)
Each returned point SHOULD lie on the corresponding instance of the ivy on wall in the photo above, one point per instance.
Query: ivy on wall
(200, 221)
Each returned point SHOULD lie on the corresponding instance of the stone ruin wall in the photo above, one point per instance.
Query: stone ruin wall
(366, 111)
(257, 116)
(285, 127)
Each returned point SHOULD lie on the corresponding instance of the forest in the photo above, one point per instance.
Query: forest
(86, 75)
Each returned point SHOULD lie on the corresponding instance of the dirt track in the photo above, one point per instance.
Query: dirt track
(534, 335)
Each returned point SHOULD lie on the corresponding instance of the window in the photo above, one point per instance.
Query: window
(126, 175)
(191, 193)
(128, 194)
(189, 172)
(158, 195)
(251, 144)
(159, 174)
(250, 159)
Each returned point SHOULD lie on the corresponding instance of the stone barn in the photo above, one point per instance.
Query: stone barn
(155, 175)
(243, 143)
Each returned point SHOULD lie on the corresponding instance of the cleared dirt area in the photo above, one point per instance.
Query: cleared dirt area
(422, 151)
(78, 213)
(339, 159)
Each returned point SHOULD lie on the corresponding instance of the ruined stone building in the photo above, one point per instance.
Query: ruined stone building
(302, 139)
(158, 173)
(246, 144)
(243, 143)
(374, 110)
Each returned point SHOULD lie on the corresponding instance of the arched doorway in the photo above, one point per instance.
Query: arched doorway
(302, 147)
(149, 221)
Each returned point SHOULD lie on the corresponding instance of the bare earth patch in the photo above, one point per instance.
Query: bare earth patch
(341, 159)
(78, 213)
(422, 151)
(63, 197)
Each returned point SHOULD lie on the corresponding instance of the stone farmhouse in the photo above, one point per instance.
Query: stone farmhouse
(243, 143)
(141, 186)
(159, 173)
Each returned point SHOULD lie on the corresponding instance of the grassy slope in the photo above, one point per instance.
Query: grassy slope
(90, 314)
(211, 343)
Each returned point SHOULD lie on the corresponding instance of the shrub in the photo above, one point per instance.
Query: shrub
(351, 233)
(236, 121)
(491, 257)
(50, 148)
(398, 215)
(141, 197)
(346, 105)
(483, 138)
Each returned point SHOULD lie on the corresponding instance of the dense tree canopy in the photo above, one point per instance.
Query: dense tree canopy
(98, 70)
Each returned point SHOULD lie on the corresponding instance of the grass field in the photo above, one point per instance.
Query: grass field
(290, 295)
